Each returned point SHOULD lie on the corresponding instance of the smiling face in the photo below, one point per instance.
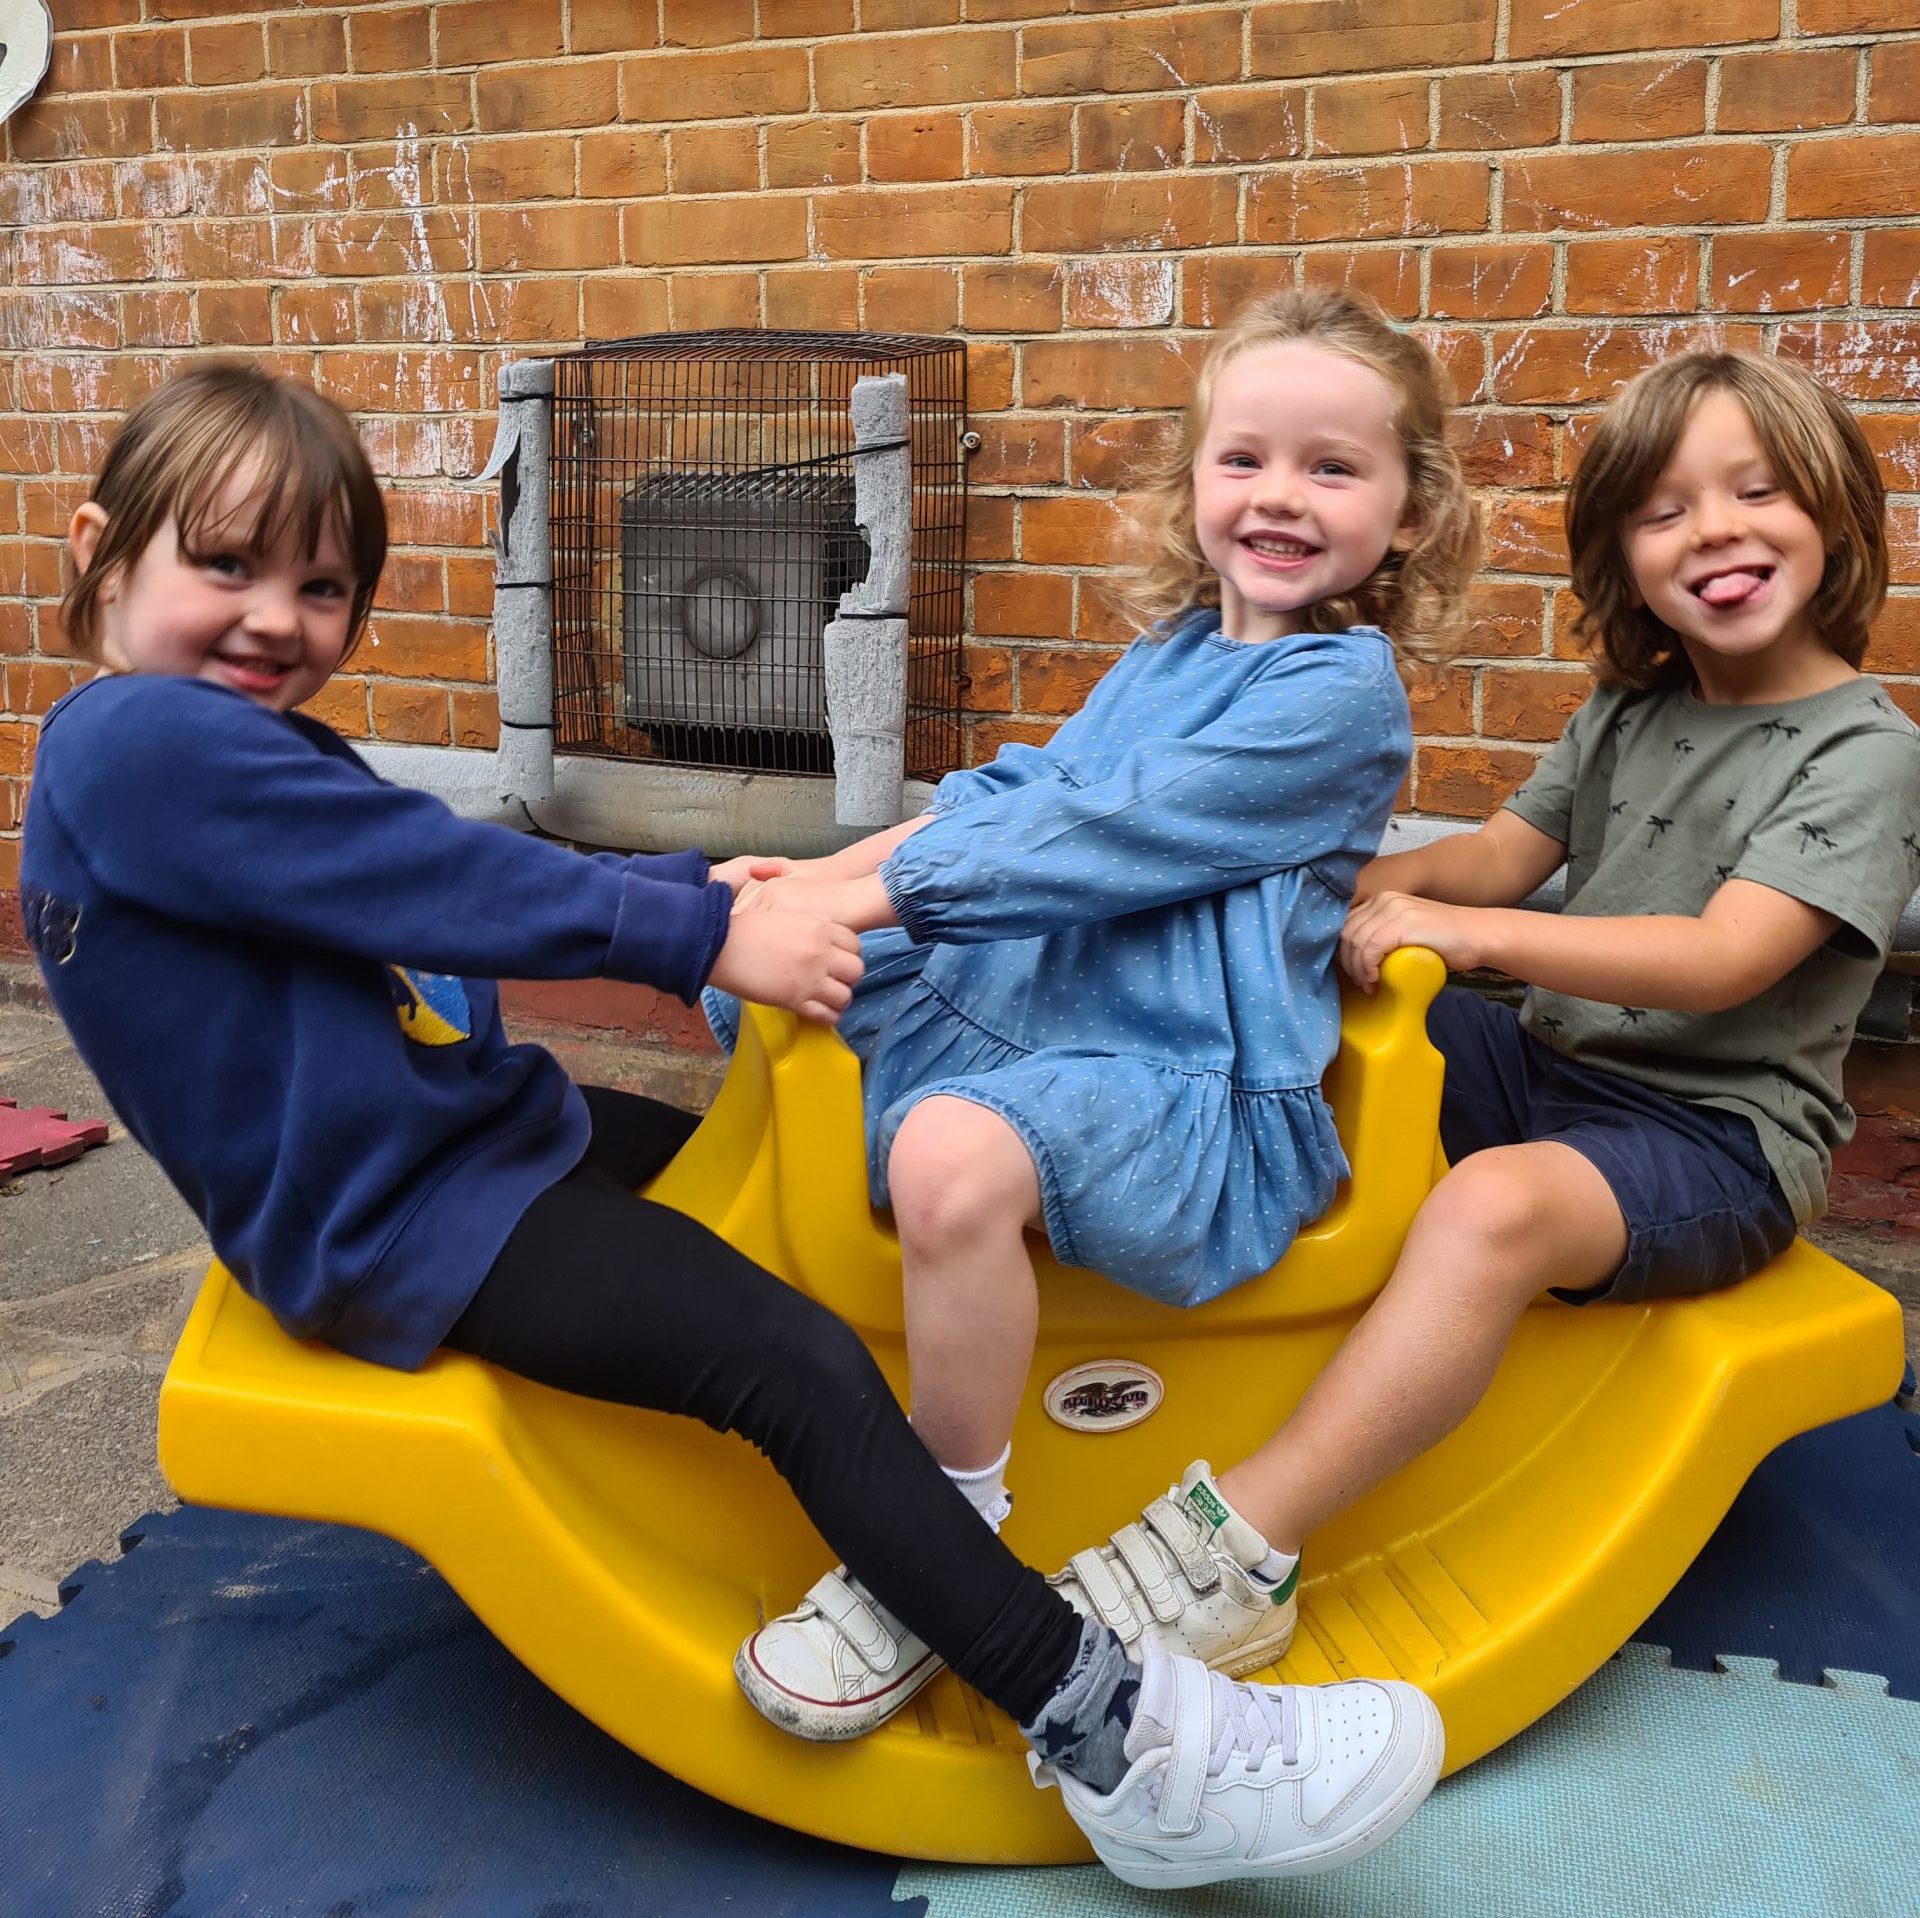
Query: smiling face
(1299, 486)
(1724, 556)
(270, 623)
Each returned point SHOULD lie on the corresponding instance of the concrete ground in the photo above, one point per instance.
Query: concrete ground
(99, 1261)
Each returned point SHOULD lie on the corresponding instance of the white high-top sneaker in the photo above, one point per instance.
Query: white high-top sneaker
(836, 1666)
(1231, 1780)
(1181, 1578)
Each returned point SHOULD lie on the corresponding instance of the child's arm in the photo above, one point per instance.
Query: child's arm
(1747, 937)
(864, 856)
(1304, 762)
(829, 887)
(1014, 766)
(692, 867)
(689, 868)
(785, 959)
(213, 812)
(747, 869)
(1497, 865)
(861, 903)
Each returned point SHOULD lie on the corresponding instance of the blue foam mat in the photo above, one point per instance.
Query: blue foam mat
(1817, 1565)
(1651, 1792)
(247, 1715)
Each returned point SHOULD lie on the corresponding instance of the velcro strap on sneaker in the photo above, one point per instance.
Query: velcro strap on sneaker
(1106, 1594)
(1136, 1552)
(1185, 1779)
(834, 1598)
(1182, 1538)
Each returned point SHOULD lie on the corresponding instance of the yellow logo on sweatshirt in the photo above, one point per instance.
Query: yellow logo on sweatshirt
(433, 1006)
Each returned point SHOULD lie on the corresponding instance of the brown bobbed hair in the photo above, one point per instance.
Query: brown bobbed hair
(176, 453)
(1818, 454)
(1418, 596)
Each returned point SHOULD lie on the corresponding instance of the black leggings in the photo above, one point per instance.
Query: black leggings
(609, 1295)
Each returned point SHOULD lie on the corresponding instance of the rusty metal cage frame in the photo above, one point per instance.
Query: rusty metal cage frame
(736, 406)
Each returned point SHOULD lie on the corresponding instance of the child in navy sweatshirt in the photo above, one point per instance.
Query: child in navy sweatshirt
(280, 968)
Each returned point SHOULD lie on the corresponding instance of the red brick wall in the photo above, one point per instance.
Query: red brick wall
(385, 198)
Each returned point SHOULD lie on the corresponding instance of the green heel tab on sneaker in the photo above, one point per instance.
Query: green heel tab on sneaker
(1212, 1509)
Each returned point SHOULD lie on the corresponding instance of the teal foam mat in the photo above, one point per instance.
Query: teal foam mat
(1650, 1793)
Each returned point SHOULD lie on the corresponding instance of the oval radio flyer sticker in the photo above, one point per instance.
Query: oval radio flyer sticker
(1103, 1395)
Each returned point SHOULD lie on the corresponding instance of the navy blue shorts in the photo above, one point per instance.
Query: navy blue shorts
(1702, 1206)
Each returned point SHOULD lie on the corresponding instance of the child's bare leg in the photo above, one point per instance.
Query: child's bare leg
(1499, 1229)
(964, 1190)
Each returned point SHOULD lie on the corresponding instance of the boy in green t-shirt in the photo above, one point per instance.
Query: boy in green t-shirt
(1738, 810)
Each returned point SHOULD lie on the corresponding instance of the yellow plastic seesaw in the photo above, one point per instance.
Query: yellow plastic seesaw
(623, 1555)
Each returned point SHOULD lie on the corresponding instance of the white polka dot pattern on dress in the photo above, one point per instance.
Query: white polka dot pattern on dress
(1122, 943)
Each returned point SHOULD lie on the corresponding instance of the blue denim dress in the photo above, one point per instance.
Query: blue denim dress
(1122, 942)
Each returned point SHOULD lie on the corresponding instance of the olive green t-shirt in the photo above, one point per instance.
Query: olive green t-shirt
(1659, 798)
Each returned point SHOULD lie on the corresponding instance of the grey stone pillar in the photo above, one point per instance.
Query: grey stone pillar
(523, 580)
(865, 644)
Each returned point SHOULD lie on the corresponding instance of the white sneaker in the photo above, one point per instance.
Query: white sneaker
(836, 1666)
(1181, 1578)
(1255, 1781)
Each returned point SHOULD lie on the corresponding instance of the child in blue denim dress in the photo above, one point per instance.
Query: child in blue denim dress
(1099, 995)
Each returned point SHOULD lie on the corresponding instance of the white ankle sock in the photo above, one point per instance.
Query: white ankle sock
(1273, 1569)
(986, 1489)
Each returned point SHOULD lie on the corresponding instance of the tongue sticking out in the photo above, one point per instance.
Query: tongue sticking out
(1732, 589)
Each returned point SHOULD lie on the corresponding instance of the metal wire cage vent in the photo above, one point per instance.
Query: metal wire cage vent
(703, 532)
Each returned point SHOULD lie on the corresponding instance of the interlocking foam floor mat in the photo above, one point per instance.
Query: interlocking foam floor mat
(1818, 1564)
(1651, 1792)
(245, 1715)
(250, 1716)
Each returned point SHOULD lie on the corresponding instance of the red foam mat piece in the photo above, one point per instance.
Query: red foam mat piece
(41, 1137)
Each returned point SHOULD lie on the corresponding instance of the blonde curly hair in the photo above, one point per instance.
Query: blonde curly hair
(1417, 596)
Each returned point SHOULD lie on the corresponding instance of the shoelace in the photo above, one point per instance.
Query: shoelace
(1250, 1719)
(1247, 1719)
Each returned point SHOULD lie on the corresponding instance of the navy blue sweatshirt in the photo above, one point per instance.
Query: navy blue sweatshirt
(263, 952)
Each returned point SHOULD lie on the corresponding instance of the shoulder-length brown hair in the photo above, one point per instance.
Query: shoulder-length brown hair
(1417, 596)
(177, 451)
(1818, 454)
